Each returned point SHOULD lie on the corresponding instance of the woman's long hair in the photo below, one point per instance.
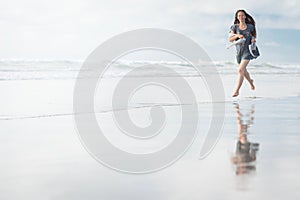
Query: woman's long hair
(249, 20)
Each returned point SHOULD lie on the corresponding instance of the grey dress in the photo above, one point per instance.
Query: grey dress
(242, 50)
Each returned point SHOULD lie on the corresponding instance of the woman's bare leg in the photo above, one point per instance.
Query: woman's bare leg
(241, 74)
(247, 76)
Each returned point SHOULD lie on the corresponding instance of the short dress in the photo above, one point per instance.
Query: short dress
(242, 50)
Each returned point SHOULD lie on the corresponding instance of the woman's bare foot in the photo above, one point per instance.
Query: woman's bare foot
(235, 94)
(252, 85)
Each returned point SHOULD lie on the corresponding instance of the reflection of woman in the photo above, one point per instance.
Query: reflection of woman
(243, 27)
(245, 153)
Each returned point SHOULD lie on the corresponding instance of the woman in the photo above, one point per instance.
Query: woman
(243, 27)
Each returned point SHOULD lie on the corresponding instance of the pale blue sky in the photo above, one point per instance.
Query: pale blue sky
(64, 29)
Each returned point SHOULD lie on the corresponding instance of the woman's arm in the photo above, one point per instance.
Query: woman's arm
(233, 36)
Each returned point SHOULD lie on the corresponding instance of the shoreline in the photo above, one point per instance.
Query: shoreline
(42, 153)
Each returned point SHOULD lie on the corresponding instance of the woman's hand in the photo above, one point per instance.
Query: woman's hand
(240, 36)
(233, 37)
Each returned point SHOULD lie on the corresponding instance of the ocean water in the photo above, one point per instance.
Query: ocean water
(69, 69)
(49, 84)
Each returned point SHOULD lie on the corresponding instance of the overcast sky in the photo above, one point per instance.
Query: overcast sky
(65, 29)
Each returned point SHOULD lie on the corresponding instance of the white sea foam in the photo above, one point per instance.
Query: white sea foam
(68, 69)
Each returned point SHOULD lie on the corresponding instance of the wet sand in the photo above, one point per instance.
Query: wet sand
(43, 158)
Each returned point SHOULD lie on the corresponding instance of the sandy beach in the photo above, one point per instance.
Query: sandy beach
(43, 156)
(141, 100)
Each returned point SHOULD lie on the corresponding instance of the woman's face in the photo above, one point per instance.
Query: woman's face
(241, 16)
